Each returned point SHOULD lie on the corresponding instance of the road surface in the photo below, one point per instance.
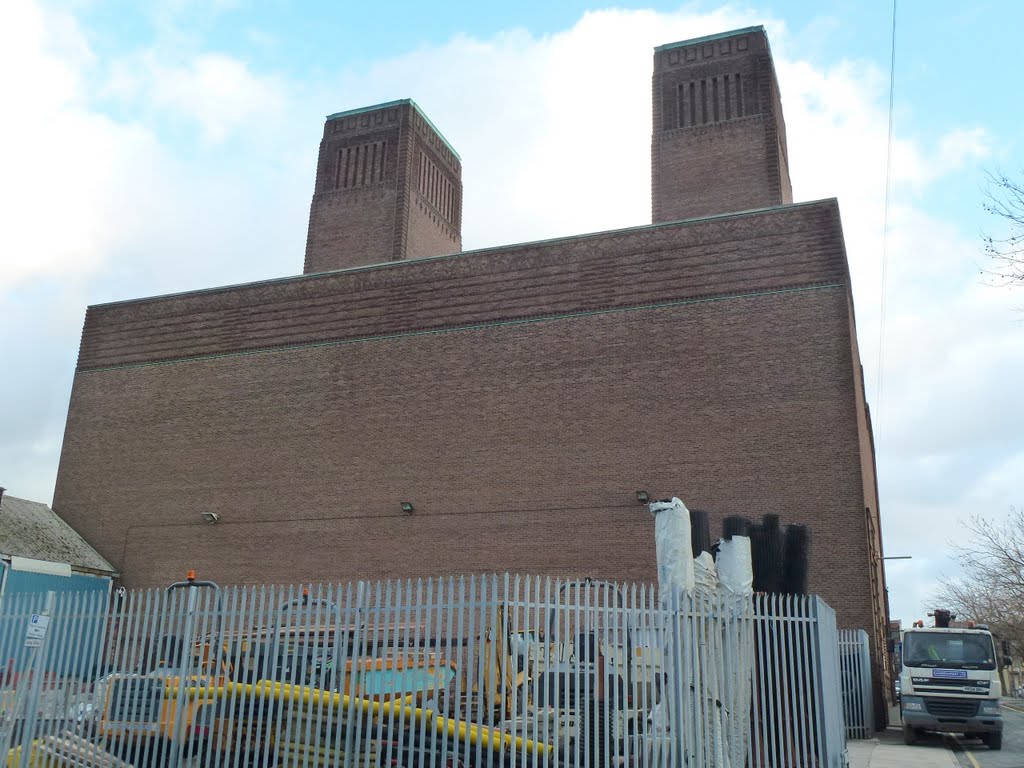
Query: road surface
(973, 754)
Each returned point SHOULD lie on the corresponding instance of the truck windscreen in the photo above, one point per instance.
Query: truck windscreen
(954, 650)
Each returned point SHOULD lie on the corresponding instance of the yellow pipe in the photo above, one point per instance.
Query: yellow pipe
(490, 738)
(14, 755)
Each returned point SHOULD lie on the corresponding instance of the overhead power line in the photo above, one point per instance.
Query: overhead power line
(885, 228)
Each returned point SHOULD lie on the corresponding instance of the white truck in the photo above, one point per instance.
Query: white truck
(949, 682)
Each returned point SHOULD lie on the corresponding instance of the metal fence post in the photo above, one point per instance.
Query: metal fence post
(829, 680)
(867, 697)
(177, 745)
(37, 665)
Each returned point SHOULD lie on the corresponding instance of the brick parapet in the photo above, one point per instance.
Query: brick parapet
(788, 247)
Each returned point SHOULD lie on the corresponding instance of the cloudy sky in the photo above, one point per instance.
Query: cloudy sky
(147, 148)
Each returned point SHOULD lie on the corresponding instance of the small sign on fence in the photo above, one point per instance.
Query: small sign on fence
(36, 630)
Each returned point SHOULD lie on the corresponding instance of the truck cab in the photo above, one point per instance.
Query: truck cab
(949, 682)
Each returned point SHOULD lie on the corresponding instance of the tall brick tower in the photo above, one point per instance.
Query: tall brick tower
(719, 140)
(388, 187)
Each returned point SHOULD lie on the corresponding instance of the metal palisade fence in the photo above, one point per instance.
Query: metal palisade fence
(797, 711)
(472, 671)
(855, 666)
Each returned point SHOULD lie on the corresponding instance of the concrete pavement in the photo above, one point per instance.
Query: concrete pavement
(889, 751)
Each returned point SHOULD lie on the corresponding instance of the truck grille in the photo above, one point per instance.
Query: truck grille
(135, 702)
(952, 708)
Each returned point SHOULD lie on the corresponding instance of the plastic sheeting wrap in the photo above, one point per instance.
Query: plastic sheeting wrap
(705, 575)
(736, 585)
(708, 664)
(736, 566)
(672, 542)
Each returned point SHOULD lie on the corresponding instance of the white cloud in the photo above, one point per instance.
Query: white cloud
(218, 93)
(554, 131)
(209, 183)
(62, 164)
(958, 147)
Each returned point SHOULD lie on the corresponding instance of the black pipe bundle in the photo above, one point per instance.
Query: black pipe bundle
(780, 559)
(735, 525)
(767, 549)
(700, 532)
(796, 560)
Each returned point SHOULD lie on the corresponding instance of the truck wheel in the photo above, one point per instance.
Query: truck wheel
(909, 735)
(994, 740)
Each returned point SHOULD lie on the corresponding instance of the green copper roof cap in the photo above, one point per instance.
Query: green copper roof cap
(397, 103)
(709, 38)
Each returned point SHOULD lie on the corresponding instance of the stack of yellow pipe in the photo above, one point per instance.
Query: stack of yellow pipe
(493, 739)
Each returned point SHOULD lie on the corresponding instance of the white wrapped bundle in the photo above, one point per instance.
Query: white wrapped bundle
(736, 566)
(705, 576)
(736, 586)
(672, 540)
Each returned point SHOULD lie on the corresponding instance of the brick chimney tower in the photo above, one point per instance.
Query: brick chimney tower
(388, 187)
(719, 139)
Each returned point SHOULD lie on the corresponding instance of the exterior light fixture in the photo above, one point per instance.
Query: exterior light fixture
(407, 507)
(211, 517)
(643, 497)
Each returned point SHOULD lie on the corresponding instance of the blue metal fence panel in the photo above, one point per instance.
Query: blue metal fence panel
(31, 588)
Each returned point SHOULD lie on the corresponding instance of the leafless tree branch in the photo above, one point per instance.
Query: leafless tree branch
(1004, 199)
(990, 588)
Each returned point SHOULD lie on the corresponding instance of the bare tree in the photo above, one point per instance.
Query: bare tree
(1004, 199)
(991, 587)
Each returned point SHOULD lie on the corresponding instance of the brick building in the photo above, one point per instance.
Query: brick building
(516, 397)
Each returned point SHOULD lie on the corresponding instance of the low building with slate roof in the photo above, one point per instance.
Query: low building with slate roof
(40, 552)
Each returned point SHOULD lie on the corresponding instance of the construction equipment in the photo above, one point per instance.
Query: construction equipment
(542, 681)
(452, 673)
(138, 717)
(195, 701)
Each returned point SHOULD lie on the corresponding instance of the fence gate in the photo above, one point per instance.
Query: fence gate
(855, 663)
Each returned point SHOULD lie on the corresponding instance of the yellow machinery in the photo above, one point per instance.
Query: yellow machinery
(185, 717)
(533, 679)
(283, 698)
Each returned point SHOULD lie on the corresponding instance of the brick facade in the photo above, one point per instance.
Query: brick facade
(719, 139)
(388, 187)
(517, 397)
(509, 394)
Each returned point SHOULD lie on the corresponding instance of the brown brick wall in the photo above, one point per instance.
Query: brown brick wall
(351, 228)
(879, 629)
(435, 195)
(367, 205)
(793, 246)
(517, 397)
(719, 139)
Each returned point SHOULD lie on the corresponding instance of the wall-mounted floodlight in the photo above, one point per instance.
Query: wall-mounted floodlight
(643, 497)
(211, 517)
(407, 507)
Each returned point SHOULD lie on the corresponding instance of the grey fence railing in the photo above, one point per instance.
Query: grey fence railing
(855, 666)
(797, 713)
(474, 671)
